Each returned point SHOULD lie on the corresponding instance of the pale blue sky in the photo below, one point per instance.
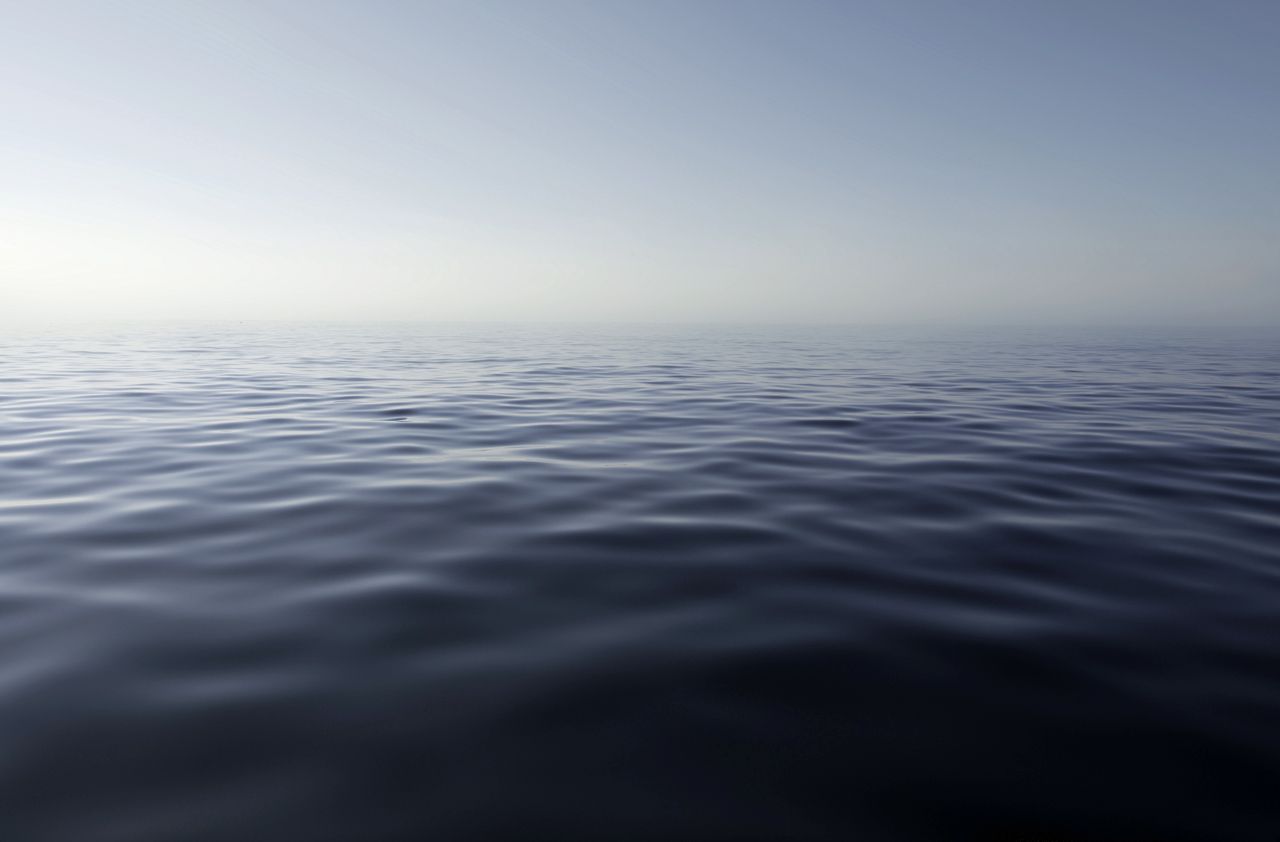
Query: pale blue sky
(904, 160)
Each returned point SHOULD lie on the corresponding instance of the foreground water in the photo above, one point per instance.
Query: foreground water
(472, 583)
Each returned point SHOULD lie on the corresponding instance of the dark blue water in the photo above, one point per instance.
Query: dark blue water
(496, 583)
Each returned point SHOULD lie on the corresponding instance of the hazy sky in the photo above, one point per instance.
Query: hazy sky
(904, 160)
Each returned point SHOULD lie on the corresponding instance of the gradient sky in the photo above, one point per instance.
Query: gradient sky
(904, 160)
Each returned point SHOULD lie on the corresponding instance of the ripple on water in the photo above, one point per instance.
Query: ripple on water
(381, 583)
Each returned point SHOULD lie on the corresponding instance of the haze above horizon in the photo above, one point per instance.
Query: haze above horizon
(886, 161)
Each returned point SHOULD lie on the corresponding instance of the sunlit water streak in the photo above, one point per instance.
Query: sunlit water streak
(465, 583)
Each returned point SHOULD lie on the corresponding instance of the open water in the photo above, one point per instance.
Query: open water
(300, 583)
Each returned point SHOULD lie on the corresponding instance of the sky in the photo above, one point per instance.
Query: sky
(1112, 161)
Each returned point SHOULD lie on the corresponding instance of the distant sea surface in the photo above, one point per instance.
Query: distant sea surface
(288, 583)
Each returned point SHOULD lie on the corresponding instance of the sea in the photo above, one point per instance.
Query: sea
(274, 582)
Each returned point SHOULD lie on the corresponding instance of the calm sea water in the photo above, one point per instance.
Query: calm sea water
(341, 583)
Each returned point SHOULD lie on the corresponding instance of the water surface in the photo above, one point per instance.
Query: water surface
(270, 582)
